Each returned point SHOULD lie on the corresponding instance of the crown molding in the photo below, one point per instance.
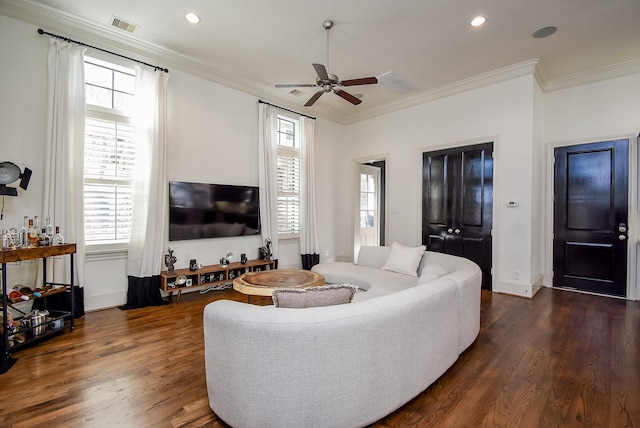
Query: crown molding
(496, 76)
(592, 76)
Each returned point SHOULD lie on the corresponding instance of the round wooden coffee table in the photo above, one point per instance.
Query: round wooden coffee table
(264, 282)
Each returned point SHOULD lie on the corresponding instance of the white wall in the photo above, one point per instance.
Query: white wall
(594, 111)
(590, 113)
(22, 106)
(538, 190)
(330, 210)
(501, 113)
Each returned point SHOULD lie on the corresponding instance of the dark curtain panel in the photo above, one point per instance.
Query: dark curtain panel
(144, 292)
(62, 302)
(310, 260)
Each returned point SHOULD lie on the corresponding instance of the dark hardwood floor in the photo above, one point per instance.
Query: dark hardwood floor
(560, 360)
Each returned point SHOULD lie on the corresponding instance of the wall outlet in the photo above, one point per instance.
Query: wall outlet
(326, 253)
(516, 274)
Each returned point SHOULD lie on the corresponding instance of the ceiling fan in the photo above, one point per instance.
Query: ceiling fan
(328, 82)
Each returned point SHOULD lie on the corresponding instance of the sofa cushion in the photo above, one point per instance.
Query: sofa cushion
(346, 272)
(404, 260)
(374, 257)
(326, 295)
(432, 272)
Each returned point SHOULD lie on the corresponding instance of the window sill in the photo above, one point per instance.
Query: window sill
(106, 252)
(288, 239)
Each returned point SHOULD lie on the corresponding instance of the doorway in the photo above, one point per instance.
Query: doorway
(590, 217)
(371, 212)
(457, 204)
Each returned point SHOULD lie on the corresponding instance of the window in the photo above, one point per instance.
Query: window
(369, 205)
(109, 152)
(288, 177)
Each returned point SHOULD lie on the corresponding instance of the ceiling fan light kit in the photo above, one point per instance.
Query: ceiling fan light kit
(328, 82)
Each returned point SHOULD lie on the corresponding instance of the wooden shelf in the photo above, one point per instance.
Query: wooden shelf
(212, 275)
(20, 254)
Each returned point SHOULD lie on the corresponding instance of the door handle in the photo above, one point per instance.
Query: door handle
(622, 237)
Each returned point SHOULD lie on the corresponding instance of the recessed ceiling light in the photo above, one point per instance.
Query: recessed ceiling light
(478, 21)
(192, 18)
(544, 32)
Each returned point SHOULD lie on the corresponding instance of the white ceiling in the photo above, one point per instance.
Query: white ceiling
(255, 44)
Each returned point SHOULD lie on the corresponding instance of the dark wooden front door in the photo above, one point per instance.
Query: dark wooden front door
(457, 203)
(590, 217)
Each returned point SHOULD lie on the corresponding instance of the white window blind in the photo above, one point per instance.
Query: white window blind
(109, 165)
(288, 178)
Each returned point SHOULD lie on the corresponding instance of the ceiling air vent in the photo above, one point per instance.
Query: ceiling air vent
(123, 25)
(395, 82)
(296, 92)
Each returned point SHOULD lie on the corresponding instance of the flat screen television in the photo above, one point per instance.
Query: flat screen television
(201, 210)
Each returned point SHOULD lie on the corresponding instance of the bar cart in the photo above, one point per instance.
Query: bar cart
(26, 330)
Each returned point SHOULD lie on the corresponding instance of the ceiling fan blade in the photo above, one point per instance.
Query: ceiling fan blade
(296, 85)
(321, 71)
(361, 81)
(314, 98)
(347, 96)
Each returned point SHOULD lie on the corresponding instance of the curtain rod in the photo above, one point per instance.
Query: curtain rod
(66, 39)
(286, 109)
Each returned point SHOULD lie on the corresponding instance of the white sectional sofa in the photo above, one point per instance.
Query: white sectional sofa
(346, 365)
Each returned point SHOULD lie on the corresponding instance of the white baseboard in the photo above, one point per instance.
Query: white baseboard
(97, 302)
(518, 288)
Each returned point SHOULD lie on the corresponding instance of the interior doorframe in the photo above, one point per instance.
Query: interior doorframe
(366, 168)
(633, 293)
(495, 212)
(357, 162)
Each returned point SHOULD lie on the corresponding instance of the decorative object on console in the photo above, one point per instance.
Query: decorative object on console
(170, 260)
(243, 258)
(224, 262)
(181, 280)
(265, 252)
(193, 265)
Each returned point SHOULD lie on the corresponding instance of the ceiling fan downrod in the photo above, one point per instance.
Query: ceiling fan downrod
(327, 25)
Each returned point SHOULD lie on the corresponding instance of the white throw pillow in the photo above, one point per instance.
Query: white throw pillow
(404, 260)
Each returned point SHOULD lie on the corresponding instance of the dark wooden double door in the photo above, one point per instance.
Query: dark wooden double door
(457, 203)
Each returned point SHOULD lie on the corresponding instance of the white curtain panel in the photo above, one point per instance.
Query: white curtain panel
(63, 195)
(267, 163)
(308, 228)
(146, 246)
